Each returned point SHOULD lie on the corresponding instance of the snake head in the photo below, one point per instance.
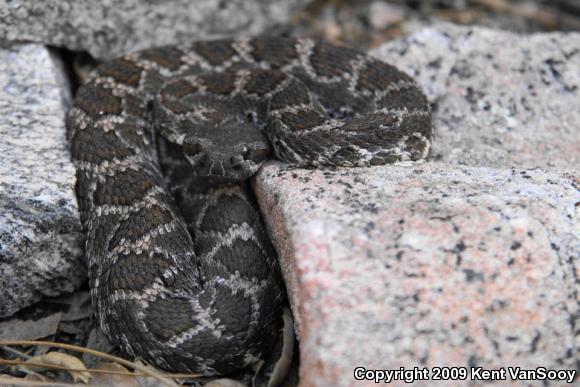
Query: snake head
(231, 151)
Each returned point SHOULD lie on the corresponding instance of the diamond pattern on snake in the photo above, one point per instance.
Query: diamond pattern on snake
(182, 272)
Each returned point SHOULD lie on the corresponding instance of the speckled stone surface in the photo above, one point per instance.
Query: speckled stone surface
(40, 237)
(107, 29)
(499, 99)
(469, 259)
(426, 265)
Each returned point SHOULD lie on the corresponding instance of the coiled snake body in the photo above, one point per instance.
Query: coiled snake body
(181, 270)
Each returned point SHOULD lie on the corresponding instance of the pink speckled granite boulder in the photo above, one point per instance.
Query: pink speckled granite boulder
(469, 259)
(426, 265)
(499, 99)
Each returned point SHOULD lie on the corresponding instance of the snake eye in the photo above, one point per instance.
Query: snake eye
(192, 149)
(235, 163)
(255, 155)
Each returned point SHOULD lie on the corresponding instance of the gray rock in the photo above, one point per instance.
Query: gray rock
(108, 29)
(500, 99)
(40, 234)
(383, 15)
(427, 265)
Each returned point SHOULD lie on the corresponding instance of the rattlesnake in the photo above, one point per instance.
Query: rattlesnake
(181, 270)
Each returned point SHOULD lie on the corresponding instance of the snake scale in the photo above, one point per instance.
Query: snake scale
(182, 272)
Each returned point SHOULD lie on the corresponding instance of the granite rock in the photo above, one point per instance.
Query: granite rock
(383, 15)
(499, 99)
(40, 232)
(107, 29)
(426, 265)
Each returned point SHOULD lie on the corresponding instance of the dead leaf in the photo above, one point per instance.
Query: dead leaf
(147, 381)
(17, 329)
(36, 377)
(113, 380)
(99, 342)
(62, 360)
